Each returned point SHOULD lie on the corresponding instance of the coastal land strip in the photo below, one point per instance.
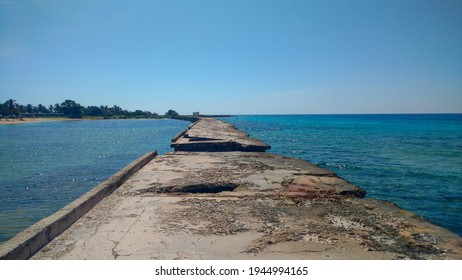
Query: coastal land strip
(209, 200)
(32, 120)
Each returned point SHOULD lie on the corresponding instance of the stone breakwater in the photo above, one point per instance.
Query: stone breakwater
(221, 196)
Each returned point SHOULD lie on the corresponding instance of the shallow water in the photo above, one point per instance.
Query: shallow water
(44, 166)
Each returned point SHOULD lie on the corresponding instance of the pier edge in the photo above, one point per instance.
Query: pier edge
(26, 243)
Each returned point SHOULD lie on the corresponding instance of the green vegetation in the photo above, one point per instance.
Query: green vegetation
(72, 109)
(171, 114)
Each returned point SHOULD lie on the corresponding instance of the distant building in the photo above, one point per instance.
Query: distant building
(196, 114)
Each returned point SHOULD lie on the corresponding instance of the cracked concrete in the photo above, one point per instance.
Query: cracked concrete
(246, 205)
(276, 211)
(212, 135)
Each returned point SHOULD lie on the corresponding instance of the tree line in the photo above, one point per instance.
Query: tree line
(72, 109)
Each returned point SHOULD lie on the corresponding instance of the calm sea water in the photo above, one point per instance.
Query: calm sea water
(412, 160)
(44, 166)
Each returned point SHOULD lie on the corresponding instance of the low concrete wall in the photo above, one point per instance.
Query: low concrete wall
(174, 139)
(29, 241)
(181, 134)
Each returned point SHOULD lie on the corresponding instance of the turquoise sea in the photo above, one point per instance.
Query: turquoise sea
(44, 166)
(414, 161)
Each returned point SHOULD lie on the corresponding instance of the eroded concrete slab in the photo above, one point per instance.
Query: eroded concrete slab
(238, 174)
(239, 205)
(212, 135)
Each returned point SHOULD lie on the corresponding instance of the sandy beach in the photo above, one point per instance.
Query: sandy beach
(32, 120)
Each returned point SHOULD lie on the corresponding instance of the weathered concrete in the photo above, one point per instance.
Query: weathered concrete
(29, 241)
(244, 205)
(212, 135)
(237, 205)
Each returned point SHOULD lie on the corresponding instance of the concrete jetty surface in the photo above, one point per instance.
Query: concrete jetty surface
(244, 205)
(212, 135)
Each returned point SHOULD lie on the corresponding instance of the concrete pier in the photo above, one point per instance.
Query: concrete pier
(221, 202)
(212, 135)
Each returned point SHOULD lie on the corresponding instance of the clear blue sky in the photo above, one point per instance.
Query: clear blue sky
(236, 57)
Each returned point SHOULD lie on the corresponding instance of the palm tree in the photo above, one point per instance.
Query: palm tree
(71, 109)
(42, 109)
(11, 107)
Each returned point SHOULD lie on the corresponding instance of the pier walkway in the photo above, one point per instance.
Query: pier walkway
(211, 135)
(220, 196)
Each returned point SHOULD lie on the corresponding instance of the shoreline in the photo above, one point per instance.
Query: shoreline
(6, 121)
(33, 120)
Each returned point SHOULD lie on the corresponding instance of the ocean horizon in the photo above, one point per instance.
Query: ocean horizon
(412, 160)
